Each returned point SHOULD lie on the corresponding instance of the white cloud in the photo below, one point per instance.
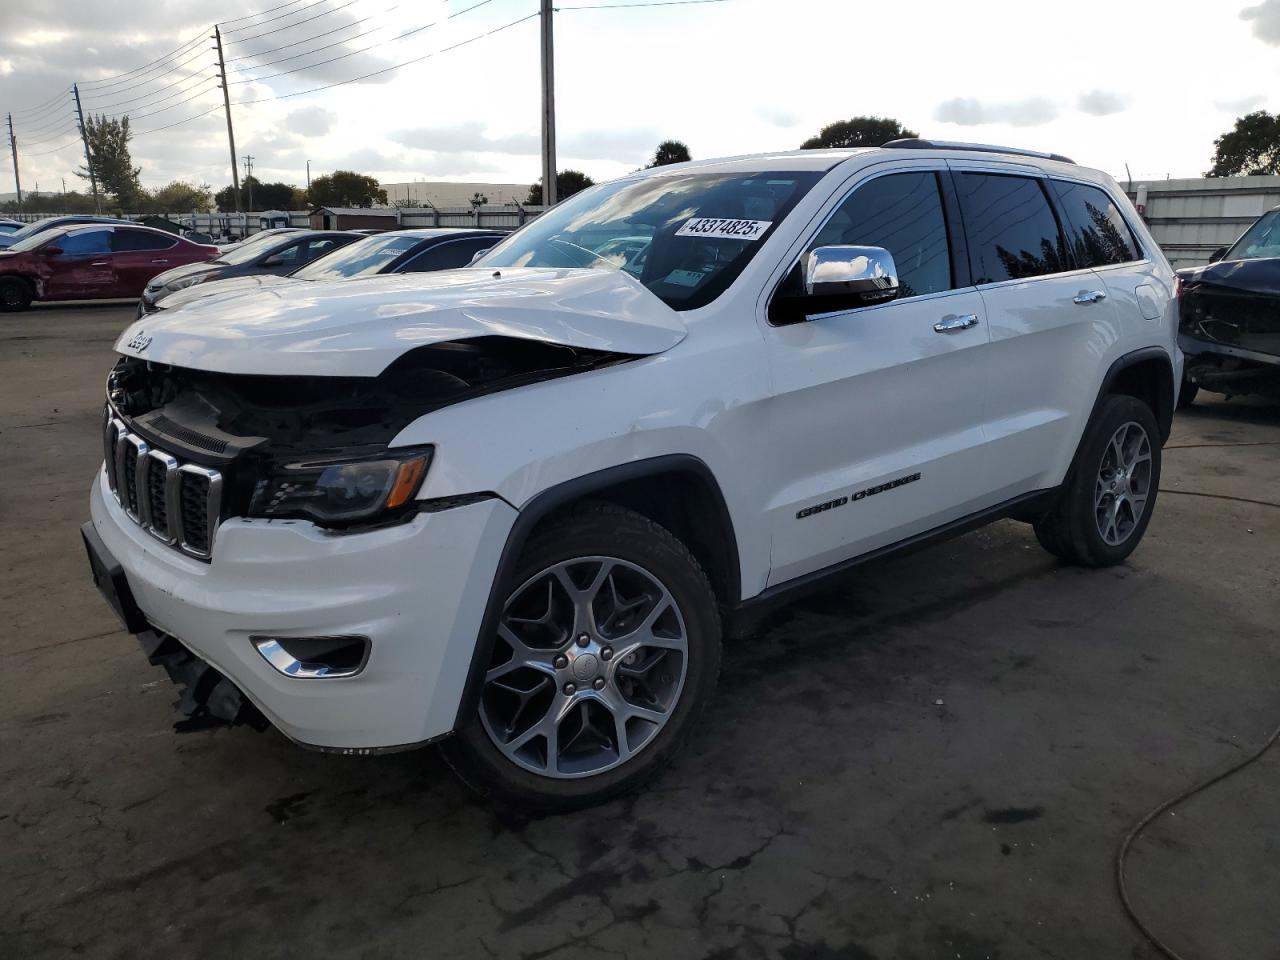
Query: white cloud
(310, 121)
(777, 116)
(1240, 104)
(1265, 18)
(1101, 103)
(970, 112)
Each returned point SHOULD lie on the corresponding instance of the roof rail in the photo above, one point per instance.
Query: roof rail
(919, 144)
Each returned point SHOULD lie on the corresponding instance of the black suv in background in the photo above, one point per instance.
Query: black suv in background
(1229, 316)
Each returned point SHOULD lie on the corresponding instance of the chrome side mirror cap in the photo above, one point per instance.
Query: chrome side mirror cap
(861, 274)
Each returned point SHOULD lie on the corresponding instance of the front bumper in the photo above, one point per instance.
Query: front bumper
(418, 590)
(1193, 346)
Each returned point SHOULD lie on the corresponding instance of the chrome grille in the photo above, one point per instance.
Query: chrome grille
(177, 503)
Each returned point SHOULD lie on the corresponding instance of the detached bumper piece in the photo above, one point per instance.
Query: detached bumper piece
(207, 698)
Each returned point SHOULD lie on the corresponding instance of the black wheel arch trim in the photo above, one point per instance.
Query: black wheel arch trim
(1164, 411)
(571, 491)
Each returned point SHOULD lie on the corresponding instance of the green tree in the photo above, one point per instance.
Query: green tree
(858, 132)
(1251, 148)
(109, 158)
(345, 188)
(568, 182)
(266, 196)
(669, 151)
(179, 196)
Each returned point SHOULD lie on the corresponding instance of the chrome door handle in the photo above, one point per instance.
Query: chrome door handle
(159, 261)
(954, 323)
(1089, 296)
(100, 263)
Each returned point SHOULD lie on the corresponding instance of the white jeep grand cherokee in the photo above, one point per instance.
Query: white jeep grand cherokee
(516, 505)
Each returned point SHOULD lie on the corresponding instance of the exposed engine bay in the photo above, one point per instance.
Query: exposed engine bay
(264, 435)
(211, 415)
(1229, 326)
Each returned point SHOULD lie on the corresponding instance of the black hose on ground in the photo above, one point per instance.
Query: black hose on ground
(1142, 824)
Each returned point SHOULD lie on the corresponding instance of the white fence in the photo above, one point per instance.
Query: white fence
(1192, 218)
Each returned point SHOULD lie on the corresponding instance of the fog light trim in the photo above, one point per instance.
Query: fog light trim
(315, 658)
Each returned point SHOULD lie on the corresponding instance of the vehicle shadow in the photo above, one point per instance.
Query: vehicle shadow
(86, 305)
(1213, 406)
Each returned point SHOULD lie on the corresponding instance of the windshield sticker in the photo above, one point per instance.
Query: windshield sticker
(726, 229)
(685, 278)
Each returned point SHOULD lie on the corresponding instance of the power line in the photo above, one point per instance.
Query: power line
(643, 3)
(137, 103)
(341, 83)
(317, 36)
(260, 13)
(126, 87)
(296, 23)
(396, 66)
(352, 53)
(101, 82)
(43, 107)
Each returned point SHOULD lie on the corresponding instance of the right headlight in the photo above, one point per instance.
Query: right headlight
(340, 492)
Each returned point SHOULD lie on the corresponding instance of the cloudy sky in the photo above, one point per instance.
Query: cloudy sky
(1150, 83)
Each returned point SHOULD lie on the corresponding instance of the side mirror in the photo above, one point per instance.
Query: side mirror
(479, 254)
(50, 251)
(835, 278)
(1218, 254)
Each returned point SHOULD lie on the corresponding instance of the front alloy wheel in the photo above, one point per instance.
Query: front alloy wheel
(606, 649)
(589, 664)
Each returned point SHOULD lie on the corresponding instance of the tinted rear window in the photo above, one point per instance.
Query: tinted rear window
(1012, 232)
(1097, 230)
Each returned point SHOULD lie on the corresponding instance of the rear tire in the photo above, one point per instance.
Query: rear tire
(15, 294)
(607, 651)
(1110, 492)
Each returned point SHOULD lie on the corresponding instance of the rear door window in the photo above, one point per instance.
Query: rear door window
(1012, 231)
(1098, 232)
(125, 240)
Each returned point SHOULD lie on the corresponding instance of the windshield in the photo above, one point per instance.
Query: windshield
(30, 230)
(1260, 240)
(29, 241)
(684, 236)
(251, 249)
(359, 259)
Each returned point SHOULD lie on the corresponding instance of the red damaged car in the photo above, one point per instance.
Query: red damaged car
(90, 262)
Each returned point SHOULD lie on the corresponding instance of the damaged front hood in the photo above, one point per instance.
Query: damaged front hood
(213, 288)
(359, 327)
(1257, 277)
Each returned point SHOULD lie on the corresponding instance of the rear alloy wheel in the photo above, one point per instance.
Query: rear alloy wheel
(1104, 507)
(15, 294)
(605, 651)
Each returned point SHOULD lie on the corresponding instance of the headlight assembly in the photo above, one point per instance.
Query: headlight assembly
(341, 492)
(189, 281)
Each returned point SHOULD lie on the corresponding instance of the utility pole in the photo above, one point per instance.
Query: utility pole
(548, 108)
(88, 159)
(226, 103)
(308, 175)
(13, 148)
(248, 177)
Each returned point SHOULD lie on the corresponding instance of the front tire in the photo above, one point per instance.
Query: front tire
(608, 648)
(1110, 493)
(15, 294)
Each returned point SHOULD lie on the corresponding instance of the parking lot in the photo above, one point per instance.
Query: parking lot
(936, 758)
